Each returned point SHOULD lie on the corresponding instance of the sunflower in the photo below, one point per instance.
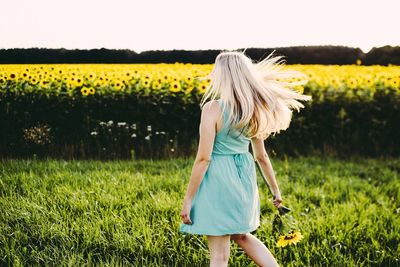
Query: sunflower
(175, 87)
(44, 83)
(13, 76)
(97, 83)
(288, 239)
(352, 83)
(33, 80)
(91, 75)
(146, 82)
(118, 84)
(78, 81)
(202, 87)
(165, 78)
(188, 79)
(157, 85)
(369, 81)
(85, 91)
(70, 85)
(394, 83)
(189, 88)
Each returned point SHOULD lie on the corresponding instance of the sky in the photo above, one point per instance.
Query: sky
(198, 25)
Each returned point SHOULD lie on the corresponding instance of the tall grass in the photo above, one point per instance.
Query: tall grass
(69, 213)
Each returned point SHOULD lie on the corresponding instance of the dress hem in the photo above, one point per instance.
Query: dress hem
(247, 230)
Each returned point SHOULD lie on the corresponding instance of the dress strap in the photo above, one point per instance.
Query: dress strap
(221, 105)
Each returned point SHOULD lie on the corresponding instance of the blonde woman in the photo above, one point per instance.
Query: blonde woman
(254, 100)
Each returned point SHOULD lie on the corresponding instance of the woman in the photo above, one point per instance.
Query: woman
(222, 200)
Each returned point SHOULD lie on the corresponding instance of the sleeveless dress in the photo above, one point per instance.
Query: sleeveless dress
(227, 200)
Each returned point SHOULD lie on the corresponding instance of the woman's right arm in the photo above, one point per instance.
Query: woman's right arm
(260, 154)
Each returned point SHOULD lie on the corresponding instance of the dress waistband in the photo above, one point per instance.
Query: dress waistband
(239, 159)
(230, 154)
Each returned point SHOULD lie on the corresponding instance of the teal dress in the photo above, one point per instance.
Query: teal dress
(227, 200)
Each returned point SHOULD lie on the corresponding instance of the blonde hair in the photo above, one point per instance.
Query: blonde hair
(255, 98)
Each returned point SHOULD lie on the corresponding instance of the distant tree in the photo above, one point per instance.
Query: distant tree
(384, 55)
(293, 55)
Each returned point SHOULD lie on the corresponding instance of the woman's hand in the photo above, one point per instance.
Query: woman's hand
(185, 213)
(277, 200)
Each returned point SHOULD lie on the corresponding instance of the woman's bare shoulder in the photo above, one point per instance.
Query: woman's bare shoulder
(212, 104)
(211, 108)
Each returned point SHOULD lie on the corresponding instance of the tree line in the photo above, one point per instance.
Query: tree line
(341, 55)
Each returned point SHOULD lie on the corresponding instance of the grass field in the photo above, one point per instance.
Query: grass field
(61, 213)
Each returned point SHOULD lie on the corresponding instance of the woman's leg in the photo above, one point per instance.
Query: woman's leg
(256, 250)
(219, 247)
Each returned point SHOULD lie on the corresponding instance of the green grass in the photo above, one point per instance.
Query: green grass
(55, 212)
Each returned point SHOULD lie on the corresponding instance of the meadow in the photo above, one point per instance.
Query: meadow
(111, 213)
(126, 212)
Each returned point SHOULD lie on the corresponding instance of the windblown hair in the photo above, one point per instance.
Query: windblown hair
(256, 95)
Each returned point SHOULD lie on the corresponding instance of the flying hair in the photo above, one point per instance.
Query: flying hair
(259, 96)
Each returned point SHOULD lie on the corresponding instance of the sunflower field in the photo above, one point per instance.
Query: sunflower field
(152, 110)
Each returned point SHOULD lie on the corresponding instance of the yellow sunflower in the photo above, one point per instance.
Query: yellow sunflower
(175, 87)
(290, 238)
(202, 87)
(34, 80)
(13, 76)
(85, 91)
(352, 83)
(97, 83)
(189, 88)
(394, 83)
(369, 81)
(91, 75)
(118, 84)
(78, 81)
(146, 82)
(44, 83)
(188, 79)
(157, 85)
(165, 78)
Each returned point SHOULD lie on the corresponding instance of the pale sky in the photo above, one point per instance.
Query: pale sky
(204, 24)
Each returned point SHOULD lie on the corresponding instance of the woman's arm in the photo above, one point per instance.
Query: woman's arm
(207, 129)
(260, 154)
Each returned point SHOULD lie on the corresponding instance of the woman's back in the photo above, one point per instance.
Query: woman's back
(229, 140)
